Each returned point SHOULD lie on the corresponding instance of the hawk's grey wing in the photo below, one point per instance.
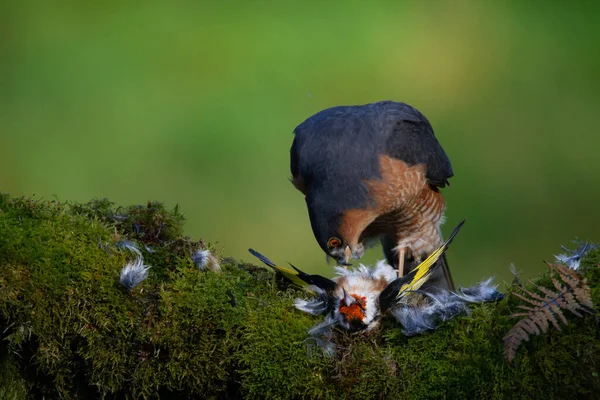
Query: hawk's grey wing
(412, 140)
(297, 180)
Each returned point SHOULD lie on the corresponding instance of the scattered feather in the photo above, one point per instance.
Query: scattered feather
(205, 259)
(323, 327)
(317, 305)
(324, 344)
(320, 336)
(483, 292)
(515, 273)
(443, 306)
(129, 245)
(381, 270)
(134, 272)
(572, 258)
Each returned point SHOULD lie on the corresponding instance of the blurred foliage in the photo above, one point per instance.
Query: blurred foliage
(195, 103)
(70, 330)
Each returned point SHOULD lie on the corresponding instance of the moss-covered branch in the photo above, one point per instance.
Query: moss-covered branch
(70, 330)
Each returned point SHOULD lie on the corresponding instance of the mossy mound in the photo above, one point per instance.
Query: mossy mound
(70, 330)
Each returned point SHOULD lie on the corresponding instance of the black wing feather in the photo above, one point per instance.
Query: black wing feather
(319, 281)
(387, 298)
(262, 258)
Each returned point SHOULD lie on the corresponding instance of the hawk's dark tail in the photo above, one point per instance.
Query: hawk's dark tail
(446, 272)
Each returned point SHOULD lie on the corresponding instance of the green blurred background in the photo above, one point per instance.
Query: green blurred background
(195, 103)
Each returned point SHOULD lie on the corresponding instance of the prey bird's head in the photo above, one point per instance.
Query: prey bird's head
(355, 301)
(352, 309)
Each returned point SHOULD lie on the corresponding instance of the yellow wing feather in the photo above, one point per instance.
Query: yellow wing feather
(290, 274)
(418, 276)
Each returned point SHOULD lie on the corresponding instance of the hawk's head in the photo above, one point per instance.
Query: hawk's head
(326, 223)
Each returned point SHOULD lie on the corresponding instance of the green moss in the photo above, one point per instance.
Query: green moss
(12, 384)
(70, 330)
(273, 356)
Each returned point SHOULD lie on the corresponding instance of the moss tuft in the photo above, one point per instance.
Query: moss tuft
(12, 384)
(70, 330)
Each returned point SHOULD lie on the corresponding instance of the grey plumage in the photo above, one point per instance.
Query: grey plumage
(417, 319)
(128, 245)
(572, 258)
(134, 272)
(325, 345)
(205, 259)
(443, 306)
(515, 273)
(317, 305)
(320, 336)
(482, 292)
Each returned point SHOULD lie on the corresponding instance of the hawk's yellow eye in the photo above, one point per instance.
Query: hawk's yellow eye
(334, 242)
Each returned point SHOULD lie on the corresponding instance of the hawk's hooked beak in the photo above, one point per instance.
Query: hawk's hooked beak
(352, 252)
(345, 261)
(347, 255)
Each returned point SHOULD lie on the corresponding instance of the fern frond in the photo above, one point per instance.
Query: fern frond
(545, 306)
(533, 296)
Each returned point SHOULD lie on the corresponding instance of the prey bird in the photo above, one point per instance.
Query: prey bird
(373, 172)
(356, 299)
